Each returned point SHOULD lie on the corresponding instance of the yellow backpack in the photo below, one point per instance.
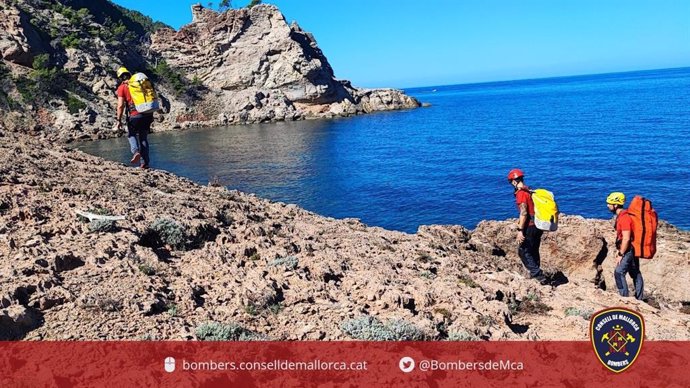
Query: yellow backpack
(545, 210)
(144, 97)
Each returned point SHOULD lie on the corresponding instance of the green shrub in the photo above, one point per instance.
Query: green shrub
(253, 3)
(147, 269)
(70, 41)
(146, 23)
(290, 263)
(102, 226)
(276, 308)
(117, 34)
(81, 17)
(370, 328)
(26, 88)
(585, 314)
(41, 62)
(466, 280)
(215, 331)
(170, 76)
(405, 331)
(251, 309)
(74, 104)
(462, 335)
(44, 81)
(169, 232)
(366, 328)
(120, 34)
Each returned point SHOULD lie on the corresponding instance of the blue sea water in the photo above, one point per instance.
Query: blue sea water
(580, 137)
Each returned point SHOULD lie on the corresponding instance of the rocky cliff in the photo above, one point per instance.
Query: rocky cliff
(239, 66)
(258, 68)
(194, 262)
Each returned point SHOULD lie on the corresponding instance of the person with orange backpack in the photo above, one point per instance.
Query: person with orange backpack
(137, 100)
(627, 261)
(528, 235)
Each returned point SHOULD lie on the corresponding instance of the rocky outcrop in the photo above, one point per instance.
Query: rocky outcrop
(239, 66)
(259, 68)
(584, 249)
(19, 40)
(81, 57)
(282, 272)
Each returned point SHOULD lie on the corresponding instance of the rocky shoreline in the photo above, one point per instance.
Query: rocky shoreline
(240, 66)
(189, 260)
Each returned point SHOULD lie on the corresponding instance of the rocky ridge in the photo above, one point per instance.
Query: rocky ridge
(239, 66)
(198, 254)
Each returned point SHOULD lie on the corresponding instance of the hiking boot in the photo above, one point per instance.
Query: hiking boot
(144, 166)
(543, 280)
(135, 158)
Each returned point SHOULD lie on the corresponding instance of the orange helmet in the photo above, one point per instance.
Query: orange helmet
(515, 174)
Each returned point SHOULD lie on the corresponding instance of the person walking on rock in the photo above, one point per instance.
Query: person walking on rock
(528, 237)
(138, 124)
(626, 262)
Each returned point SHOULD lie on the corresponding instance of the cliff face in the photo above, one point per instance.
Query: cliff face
(258, 68)
(241, 66)
(58, 58)
(281, 272)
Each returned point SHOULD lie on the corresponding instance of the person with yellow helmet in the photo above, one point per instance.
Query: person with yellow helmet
(138, 124)
(626, 262)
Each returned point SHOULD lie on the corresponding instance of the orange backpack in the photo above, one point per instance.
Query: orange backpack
(645, 221)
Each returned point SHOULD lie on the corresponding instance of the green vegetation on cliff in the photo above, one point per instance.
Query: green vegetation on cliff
(97, 29)
(43, 82)
(5, 79)
(174, 78)
(114, 24)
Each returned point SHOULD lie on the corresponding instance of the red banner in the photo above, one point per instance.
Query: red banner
(302, 364)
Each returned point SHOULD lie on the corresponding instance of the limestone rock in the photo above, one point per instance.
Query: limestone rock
(284, 272)
(260, 65)
(19, 41)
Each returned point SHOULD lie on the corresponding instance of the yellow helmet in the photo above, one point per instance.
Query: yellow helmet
(121, 71)
(616, 198)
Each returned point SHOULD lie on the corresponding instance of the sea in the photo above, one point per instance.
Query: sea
(579, 137)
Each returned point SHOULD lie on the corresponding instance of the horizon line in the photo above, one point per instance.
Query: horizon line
(540, 78)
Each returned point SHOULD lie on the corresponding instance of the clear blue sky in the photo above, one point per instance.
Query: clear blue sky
(407, 43)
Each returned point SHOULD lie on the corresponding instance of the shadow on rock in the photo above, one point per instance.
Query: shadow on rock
(558, 279)
(516, 327)
(16, 321)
